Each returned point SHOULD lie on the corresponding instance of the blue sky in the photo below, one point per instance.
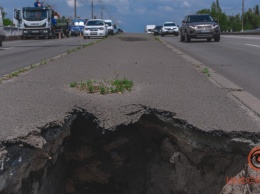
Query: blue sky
(133, 15)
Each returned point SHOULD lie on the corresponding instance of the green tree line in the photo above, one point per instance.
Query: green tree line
(6, 21)
(233, 22)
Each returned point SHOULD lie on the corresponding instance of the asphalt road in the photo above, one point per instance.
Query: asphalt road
(22, 53)
(235, 57)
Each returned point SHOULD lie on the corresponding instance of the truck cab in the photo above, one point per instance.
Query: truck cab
(35, 21)
(2, 32)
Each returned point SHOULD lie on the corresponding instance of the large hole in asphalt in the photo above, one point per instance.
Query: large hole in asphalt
(155, 155)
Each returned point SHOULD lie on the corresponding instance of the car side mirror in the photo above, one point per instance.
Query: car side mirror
(183, 21)
(106, 25)
(178, 26)
(216, 20)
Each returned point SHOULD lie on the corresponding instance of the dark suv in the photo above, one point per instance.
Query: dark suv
(199, 26)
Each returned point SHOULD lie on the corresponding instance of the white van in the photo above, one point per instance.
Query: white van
(110, 27)
(2, 32)
(149, 29)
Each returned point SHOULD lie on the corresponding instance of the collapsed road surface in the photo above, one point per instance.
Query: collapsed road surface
(177, 131)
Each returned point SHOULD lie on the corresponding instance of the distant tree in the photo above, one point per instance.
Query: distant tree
(204, 11)
(3, 12)
(251, 20)
(256, 10)
(234, 23)
(7, 22)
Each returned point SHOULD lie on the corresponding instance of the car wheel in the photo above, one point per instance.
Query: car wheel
(208, 39)
(88, 37)
(84, 37)
(217, 39)
(186, 37)
(181, 38)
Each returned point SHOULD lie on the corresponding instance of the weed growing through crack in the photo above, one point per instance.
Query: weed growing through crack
(73, 84)
(158, 39)
(104, 87)
(205, 71)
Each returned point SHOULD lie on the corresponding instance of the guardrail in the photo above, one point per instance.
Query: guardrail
(242, 33)
(12, 31)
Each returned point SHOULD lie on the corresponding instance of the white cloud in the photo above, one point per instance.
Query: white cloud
(70, 3)
(186, 4)
(165, 8)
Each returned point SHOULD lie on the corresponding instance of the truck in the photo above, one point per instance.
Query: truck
(2, 32)
(61, 28)
(36, 22)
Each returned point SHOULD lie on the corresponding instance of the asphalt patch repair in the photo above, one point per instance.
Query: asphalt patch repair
(157, 154)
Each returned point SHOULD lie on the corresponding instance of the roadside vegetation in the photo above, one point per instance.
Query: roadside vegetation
(234, 22)
(205, 71)
(104, 87)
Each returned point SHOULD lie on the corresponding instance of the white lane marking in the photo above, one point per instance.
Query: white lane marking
(49, 41)
(240, 37)
(6, 48)
(252, 45)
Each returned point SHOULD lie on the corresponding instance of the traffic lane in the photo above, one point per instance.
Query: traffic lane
(19, 54)
(233, 58)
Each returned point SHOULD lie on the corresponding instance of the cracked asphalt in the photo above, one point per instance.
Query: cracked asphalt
(163, 79)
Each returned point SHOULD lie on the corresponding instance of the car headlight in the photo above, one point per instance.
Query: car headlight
(101, 28)
(215, 26)
(194, 27)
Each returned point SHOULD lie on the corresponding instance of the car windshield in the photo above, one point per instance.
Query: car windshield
(200, 18)
(95, 23)
(169, 24)
(109, 23)
(34, 15)
(78, 23)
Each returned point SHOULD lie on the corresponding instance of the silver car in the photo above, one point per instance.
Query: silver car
(199, 26)
(95, 28)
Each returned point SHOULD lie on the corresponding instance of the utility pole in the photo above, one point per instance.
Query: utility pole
(242, 15)
(75, 9)
(92, 9)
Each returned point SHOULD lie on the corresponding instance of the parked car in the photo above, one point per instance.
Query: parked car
(76, 26)
(157, 30)
(115, 29)
(120, 31)
(110, 27)
(169, 28)
(149, 29)
(95, 28)
(199, 26)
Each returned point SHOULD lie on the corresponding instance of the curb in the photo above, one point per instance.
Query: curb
(247, 99)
